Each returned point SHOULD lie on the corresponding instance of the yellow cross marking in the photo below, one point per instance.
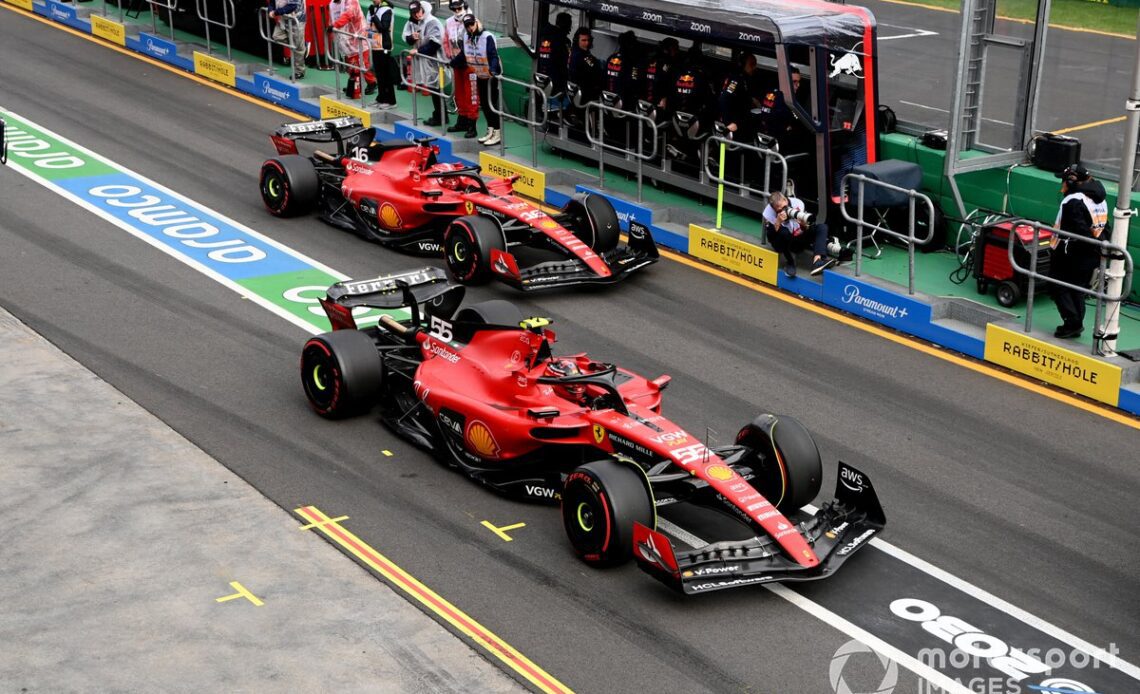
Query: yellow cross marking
(330, 521)
(501, 532)
(242, 592)
(387, 453)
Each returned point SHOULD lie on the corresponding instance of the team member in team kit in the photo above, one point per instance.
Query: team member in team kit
(1083, 212)
(465, 93)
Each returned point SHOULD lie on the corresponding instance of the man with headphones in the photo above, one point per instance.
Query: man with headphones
(1083, 212)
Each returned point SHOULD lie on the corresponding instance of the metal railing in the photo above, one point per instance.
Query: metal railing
(531, 120)
(862, 225)
(170, 6)
(336, 57)
(598, 139)
(226, 23)
(1107, 249)
(728, 145)
(265, 28)
(409, 80)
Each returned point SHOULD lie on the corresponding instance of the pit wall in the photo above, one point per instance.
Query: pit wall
(1032, 193)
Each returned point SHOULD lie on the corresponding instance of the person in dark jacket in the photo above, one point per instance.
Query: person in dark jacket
(623, 72)
(584, 69)
(735, 101)
(380, 18)
(553, 54)
(1084, 213)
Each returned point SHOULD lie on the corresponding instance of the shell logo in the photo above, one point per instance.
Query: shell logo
(719, 472)
(549, 224)
(599, 433)
(481, 440)
(389, 216)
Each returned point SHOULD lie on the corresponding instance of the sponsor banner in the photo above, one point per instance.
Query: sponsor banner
(108, 30)
(215, 69)
(33, 149)
(22, 4)
(1129, 400)
(157, 47)
(275, 90)
(531, 182)
(1079, 373)
(331, 108)
(875, 303)
(194, 232)
(733, 254)
(556, 198)
(61, 12)
(626, 211)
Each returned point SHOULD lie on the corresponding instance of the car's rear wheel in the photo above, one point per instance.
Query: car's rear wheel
(341, 373)
(467, 245)
(595, 221)
(289, 185)
(785, 460)
(493, 312)
(601, 501)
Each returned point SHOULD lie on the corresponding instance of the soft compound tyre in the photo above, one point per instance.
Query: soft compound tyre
(289, 185)
(1008, 293)
(595, 222)
(341, 373)
(467, 245)
(493, 312)
(600, 503)
(786, 460)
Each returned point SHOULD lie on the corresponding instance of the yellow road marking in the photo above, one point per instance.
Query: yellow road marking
(386, 453)
(502, 532)
(1062, 27)
(427, 597)
(1086, 126)
(334, 521)
(242, 592)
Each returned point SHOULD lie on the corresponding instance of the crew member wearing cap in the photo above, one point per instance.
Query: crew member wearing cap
(466, 98)
(1084, 213)
(425, 34)
(481, 55)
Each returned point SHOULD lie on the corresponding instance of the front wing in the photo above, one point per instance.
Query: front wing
(834, 533)
(623, 261)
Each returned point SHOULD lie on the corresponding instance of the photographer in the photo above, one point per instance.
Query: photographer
(790, 230)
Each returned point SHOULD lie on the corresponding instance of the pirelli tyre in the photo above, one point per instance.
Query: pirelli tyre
(289, 185)
(785, 460)
(341, 373)
(492, 312)
(467, 245)
(595, 222)
(601, 501)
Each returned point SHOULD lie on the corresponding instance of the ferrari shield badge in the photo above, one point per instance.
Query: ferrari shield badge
(599, 433)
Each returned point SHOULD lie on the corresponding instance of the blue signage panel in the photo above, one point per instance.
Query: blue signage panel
(878, 304)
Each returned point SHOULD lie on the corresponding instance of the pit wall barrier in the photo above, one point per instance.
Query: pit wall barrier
(1030, 192)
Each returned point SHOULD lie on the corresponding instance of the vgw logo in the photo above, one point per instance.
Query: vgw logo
(843, 656)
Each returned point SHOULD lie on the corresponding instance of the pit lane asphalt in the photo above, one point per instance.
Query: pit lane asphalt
(1023, 496)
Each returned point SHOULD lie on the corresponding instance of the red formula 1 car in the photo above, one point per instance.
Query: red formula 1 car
(395, 193)
(481, 388)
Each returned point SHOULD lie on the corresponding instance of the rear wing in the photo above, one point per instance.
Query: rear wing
(408, 289)
(347, 132)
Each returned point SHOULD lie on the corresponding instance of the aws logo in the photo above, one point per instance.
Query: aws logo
(481, 440)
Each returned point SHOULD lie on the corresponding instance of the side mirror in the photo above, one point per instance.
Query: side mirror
(3, 144)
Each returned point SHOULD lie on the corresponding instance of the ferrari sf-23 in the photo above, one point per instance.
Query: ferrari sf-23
(481, 388)
(395, 193)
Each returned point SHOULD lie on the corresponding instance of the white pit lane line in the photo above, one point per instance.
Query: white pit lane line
(816, 610)
(911, 32)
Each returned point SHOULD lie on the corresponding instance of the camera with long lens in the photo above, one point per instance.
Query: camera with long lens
(800, 216)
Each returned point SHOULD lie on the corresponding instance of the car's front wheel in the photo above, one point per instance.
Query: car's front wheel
(601, 501)
(784, 459)
(467, 245)
(289, 185)
(341, 373)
